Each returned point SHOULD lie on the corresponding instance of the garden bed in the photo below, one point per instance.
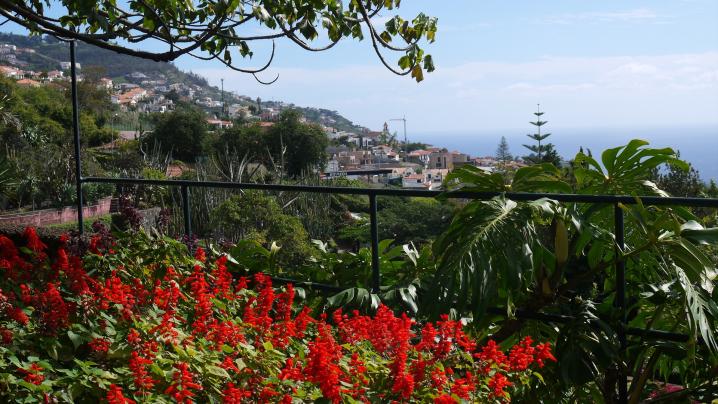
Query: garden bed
(139, 319)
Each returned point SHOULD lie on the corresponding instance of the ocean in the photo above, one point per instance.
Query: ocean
(697, 145)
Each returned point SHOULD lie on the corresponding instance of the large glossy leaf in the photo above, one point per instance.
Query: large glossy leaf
(696, 233)
(536, 178)
(471, 178)
(623, 170)
(539, 178)
(486, 248)
(701, 309)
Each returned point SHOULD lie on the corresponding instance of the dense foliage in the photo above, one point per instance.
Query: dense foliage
(36, 134)
(404, 220)
(290, 145)
(257, 217)
(138, 319)
(559, 258)
(181, 133)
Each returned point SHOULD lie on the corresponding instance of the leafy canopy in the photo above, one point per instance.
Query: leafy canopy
(226, 30)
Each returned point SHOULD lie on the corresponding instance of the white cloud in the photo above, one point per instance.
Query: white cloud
(636, 90)
(635, 15)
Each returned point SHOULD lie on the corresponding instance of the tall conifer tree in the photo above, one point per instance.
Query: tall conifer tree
(540, 152)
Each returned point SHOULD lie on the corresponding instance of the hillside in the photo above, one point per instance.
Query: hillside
(47, 53)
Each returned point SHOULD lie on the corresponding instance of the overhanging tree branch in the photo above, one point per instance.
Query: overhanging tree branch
(211, 30)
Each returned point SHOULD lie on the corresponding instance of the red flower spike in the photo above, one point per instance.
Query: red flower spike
(115, 396)
(52, 309)
(33, 374)
(200, 255)
(142, 379)
(99, 345)
(183, 384)
(234, 395)
(33, 240)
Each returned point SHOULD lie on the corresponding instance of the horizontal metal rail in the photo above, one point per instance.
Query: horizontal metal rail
(516, 196)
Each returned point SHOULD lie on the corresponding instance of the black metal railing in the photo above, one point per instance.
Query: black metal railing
(373, 193)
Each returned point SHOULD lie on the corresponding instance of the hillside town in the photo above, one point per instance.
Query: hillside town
(375, 157)
(367, 156)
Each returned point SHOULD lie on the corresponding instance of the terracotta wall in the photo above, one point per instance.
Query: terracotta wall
(46, 217)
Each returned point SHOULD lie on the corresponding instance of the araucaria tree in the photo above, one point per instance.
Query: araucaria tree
(503, 155)
(541, 153)
(227, 30)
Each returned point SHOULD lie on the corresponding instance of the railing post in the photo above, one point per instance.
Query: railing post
(76, 135)
(619, 229)
(186, 212)
(375, 272)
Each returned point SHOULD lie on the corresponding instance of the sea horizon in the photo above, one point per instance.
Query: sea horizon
(697, 145)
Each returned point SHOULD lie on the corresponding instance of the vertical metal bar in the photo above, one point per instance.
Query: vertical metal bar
(76, 134)
(375, 272)
(186, 212)
(619, 229)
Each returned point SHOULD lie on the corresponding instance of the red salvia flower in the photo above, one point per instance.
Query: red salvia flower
(290, 371)
(115, 396)
(33, 374)
(222, 279)
(33, 240)
(491, 354)
(18, 315)
(133, 337)
(543, 353)
(234, 395)
(200, 255)
(6, 336)
(52, 309)
(8, 251)
(242, 283)
(498, 383)
(141, 378)
(183, 384)
(267, 393)
(445, 399)
(322, 363)
(116, 292)
(100, 345)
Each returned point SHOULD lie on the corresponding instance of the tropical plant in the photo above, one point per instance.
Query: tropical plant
(556, 257)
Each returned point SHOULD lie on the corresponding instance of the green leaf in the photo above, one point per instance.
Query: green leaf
(697, 234)
(76, 339)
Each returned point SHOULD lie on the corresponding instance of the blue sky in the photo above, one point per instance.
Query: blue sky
(590, 63)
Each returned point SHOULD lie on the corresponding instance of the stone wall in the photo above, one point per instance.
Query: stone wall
(45, 217)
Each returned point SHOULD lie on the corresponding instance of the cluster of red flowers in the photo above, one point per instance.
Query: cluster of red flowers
(33, 374)
(188, 330)
(183, 384)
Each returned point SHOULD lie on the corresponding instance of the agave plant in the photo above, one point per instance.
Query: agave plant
(559, 258)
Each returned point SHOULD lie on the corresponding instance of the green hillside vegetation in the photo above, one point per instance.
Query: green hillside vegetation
(49, 52)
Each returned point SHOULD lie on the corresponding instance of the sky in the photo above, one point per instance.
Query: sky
(589, 63)
(608, 63)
